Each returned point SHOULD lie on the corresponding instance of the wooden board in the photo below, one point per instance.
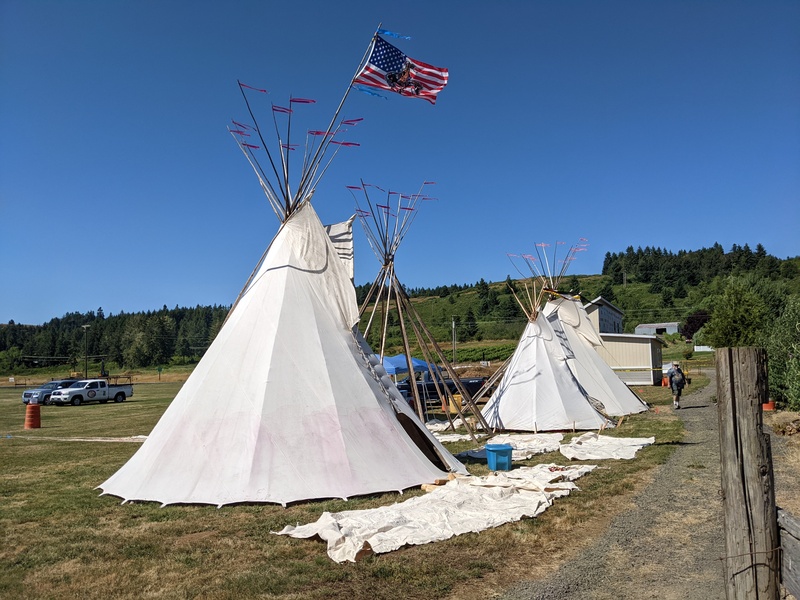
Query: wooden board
(789, 532)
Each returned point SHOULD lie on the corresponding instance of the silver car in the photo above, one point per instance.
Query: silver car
(41, 395)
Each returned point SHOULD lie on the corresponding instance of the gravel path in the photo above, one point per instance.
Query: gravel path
(669, 546)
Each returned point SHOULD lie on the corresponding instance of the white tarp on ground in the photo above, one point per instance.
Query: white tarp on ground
(436, 425)
(287, 403)
(463, 505)
(524, 445)
(591, 446)
(453, 437)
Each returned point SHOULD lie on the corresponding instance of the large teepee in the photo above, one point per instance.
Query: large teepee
(579, 337)
(288, 403)
(538, 391)
(385, 226)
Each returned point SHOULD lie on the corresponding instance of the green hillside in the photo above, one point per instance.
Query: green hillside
(741, 297)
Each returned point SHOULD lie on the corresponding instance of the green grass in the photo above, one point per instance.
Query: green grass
(61, 539)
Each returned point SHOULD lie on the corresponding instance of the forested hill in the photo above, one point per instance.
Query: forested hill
(662, 268)
(741, 297)
(166, 336)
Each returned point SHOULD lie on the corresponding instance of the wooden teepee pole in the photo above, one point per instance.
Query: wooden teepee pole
(465, 395)
(436, 376)
(407, 349)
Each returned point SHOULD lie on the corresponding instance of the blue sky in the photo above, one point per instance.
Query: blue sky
(671, 124)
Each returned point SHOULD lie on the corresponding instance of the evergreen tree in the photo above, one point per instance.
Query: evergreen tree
(511, 285)
(574, 285)
(470, 325)
(666, 298)
(482, 289)
(783, 349)
(607, 291)
(738, 318)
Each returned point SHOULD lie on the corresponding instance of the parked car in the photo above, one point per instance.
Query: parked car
(91, 390)
(427, 388)
(41, 395)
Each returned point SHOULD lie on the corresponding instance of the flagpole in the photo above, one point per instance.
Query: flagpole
(326, 140)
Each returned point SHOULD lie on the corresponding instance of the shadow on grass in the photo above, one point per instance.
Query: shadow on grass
(470, 460)
(676, 443)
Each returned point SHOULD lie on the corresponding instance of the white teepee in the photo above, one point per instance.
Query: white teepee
(538, 391)
(288, 403)
(572, 325)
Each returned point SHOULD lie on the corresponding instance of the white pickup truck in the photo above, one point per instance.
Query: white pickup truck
(91, 390)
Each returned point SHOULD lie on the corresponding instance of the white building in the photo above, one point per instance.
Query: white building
(605, 317)
(657, 328)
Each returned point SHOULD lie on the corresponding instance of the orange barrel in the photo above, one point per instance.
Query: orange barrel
(33, 416)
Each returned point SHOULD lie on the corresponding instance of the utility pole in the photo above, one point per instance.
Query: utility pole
(454, 340)
(85, 352)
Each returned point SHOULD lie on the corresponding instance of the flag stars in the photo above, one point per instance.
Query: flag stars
(387, 57)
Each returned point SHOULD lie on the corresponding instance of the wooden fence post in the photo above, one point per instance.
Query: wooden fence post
(751, 529)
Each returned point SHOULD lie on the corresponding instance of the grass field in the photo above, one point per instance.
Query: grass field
(61, 539)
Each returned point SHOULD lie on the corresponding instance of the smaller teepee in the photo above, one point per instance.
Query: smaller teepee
(385, 226)
(571, 323)
(538, 391)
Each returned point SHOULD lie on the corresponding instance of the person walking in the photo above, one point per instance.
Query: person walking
(676, 382)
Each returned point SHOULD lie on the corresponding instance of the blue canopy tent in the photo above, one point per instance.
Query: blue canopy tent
(395, 365)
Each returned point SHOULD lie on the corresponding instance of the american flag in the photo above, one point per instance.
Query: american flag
(389, 69)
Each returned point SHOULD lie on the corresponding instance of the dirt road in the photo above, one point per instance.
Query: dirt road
(670, 546)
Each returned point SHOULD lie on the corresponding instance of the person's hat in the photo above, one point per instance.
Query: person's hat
(676, 364)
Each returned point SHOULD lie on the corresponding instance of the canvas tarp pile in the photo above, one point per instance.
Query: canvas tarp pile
(463, 505)
(287, 403)
(591, 446)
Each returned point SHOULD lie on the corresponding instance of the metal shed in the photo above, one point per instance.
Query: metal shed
(635, 358)
(657, 328)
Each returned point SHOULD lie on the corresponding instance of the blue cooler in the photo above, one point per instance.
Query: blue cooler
(498, 457)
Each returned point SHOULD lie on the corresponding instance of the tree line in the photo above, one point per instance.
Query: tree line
(166, 336)
(663, 269)
(737, 298)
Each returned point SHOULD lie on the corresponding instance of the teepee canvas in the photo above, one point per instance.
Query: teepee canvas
(570, 321)
(538, 391)
(288, 403)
